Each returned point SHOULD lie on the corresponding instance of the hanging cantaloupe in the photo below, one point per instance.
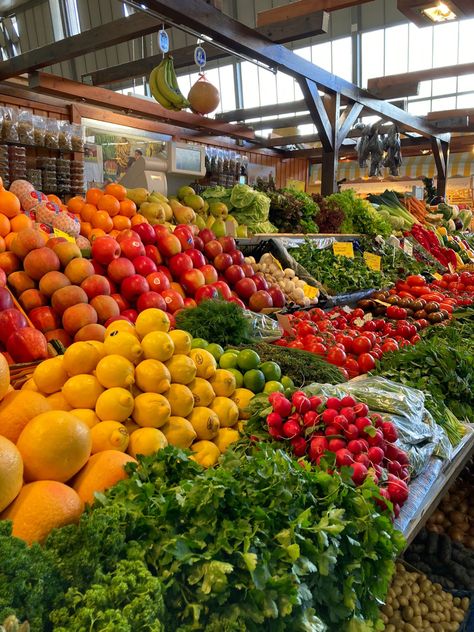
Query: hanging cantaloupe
(203, 96)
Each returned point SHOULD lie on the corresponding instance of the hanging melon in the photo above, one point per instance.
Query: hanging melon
(203, 96)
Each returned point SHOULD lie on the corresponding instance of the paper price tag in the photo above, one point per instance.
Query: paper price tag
(310, 291)
(408, 248)
(374, 262)
(163, 41)
(451, 268)
(343, 249)
(275, 260)
(376, 300)
(437, 276)
(60, 233)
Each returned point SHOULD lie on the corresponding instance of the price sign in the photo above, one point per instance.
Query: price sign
(163, 41)
(376, 300)
(437, 276)
(200, 56)
(310, 291)
(275, 261)
(60, 233)
(374, 262)
(343, 249)
(408, 248)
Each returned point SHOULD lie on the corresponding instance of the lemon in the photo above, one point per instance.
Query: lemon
(223, 383)
(158, 345)
(204, 421)
(206, 453)
(135, 391)
(151, 410)
(121, 325)
(80, 357)
(205, 362)
(50, 375)
(115, 403)
(82, 391)
(146, 441)
(242, 397)
(109, 435)
(182, 341)
(131, 426)
(202, 392)
(57, 401)
(99, 346)
(152, 319)
(115, 370)
(226, 410)
(225, 437)
(30, 385)
(124, 344)
(86, 415)
(182, 369)
(181, 400)
(152, 376)
(179, 432)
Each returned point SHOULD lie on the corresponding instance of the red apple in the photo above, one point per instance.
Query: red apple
(98, 267)
(154, 254)
(6, 301)
(105, 250)
(277, 295)
(222, 261)
(160, 231)
(44, 318)
(168, 245)
(212, 249)
(130, 314)
(238, 257)
(245, 288)
(158, 282)
(260, 300)
(113, 287)
(198, 243)
(96, 285)
(10, 320)
(173, 299)
(190, 302)
(185, 236)
(165, 271)
(144, 265)
(128, 233)
(191, 281)
(179, 264)
(248, 270)
(197, 257)
(150, 299)
(206, 235)
(228, 244)
(260, 281)
(206, 292)
(132, 248)
(237, 301)
(222, 289)
(133, 286)
(119, 269)
(121, 302)
(234, 273)
(27, 344)
(210, 273)
(146, 233)
(3, 278)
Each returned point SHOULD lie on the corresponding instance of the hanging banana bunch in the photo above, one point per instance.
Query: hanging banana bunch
(164, 86)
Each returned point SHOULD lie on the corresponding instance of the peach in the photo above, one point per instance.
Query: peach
(67, 251)
(90, 332)
(29, 299)
(60, 335)
(78, 270)
(53, 281)
(52, 241)
(78, 316)
(40, 261)
(66, 297)
(105, 306)
(96, 285)
(20, 281)
(9, 262)
(27, 240)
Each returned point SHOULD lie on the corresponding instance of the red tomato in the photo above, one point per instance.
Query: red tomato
(344, 373)
(336, 356)
(402, 287)
(376, 352)
(352, 367)
(447, 306)
(389, 345)
(357, 313)
(317, 314)
(451, 278)
(419, 290)
(416, 280)
(414, 339)
(370, 335)
(304, 329)
(345, 340)
(360, 345)
(369, 326)
(366, 362)
(296, 344)
(403, 294)
(318, 348)
(324, 325)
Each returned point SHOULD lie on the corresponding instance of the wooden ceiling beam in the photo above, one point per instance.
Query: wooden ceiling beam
(301, 9)
(398, 84)
(264, 110)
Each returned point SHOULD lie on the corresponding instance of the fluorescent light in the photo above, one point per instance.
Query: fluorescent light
(439, 13)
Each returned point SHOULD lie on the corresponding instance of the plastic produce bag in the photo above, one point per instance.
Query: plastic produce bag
(264, 327)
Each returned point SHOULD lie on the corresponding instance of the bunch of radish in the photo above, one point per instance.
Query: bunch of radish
(345, 434)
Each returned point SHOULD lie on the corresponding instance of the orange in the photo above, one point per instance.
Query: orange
(55, 200)
(4, 377)
(9, 203)
(16, 410)
(93, 196)
(20, 222)
(117, 190)
(54, 446)
(3, 245)
(121, 222)
(139, 219)
(75, 204)
(8, 240)
(101, 471)
(86, 228)
(110, 204)
(114, 233)
(88, 211)
(11, 472)
(128, 208)
(41, 507)
(102, 220)
(4, 225)
(96, 232)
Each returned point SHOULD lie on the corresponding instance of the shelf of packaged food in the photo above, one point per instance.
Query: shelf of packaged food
(431, 485)
(13, 143)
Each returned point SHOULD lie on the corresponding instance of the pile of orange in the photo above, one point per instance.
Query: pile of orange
(105, 212)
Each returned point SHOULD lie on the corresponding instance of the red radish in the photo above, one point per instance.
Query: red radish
(291, 429)
(359, 473)
(348, 401)
(343, 457)
(361, 410)
(362, 423)
(315, 402)
(275, 433)
(340, 421)
(329, 415)
(397, 490)
(274, 419)
(299, 446)
(351, 432)
(331, 431)
(376, 419)
(365, 445)
(336, 444)
(391, 452)
(282, 406)
(394, 467)
(317, 447)
(354, 446)
(375, 455)
(333, 402)
(404, 473)
(385, 495)
(363, 458)
(389, 431)
(402, 457)
(310, 419)
(376, 440)
(348, 413)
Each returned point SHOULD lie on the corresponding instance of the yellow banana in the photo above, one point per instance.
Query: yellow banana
(152, 81)
(173, 81)
(162, 81)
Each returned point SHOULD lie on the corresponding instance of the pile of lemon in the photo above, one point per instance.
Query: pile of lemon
(146, 387)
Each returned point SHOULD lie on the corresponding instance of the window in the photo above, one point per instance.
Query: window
(221, 77)
(445, 44)
(372, 55)
(127, 9)
(396, 49)
(72, 17)
(420, 47)
(466, 39)
(56, 19)
(342, 58)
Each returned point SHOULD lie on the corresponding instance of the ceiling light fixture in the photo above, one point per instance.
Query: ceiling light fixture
(439, 13)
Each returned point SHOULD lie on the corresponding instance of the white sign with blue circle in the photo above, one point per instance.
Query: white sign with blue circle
(200, 56)
(163, 41)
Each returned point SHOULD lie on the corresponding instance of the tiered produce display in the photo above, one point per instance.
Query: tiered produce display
(195, 437)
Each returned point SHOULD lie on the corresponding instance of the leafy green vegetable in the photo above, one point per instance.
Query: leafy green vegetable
(242, 195)
(293, 211)
(360, 215)
(216, 321)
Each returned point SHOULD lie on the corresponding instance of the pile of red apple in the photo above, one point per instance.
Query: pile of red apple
(342, 433)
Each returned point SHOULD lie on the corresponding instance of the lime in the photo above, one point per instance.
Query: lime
(228, 360)
(248, 359)
(272, 386)
(215, 349)
(254, 380)
(271, 371)
(199, 343)
(287, 382)
(239, 378)
(234, 351)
